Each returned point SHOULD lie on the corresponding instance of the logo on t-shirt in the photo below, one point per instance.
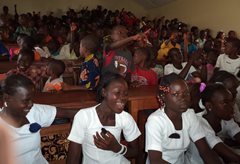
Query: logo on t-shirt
(140, 79)
(121, 64)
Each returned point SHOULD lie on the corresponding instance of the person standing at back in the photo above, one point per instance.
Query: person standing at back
(117, 57)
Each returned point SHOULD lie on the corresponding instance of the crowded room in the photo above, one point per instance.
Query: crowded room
(119, 82)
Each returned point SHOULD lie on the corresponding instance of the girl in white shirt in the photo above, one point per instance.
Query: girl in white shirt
(24, 119)
(169, 129)
(217, 122)
(96, 131)
(232, 84)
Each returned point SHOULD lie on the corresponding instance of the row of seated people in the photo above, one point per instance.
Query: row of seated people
(89, 69)
(118, 59)
(174, 132)
(169, 34)
(200, 64)
(172, 34)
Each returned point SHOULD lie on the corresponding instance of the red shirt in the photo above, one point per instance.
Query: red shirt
(144, 77)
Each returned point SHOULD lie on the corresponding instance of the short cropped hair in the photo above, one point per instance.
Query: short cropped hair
(57, 67)
(90, 42)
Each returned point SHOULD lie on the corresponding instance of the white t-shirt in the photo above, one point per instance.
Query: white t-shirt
(230, 65)
(158, 129)
(229, 130)
(86, 123)
(169, 68)
(66, 54)
(42, 52)
(27, 145)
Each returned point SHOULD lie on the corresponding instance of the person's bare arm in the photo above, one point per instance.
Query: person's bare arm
(185, 70)
(123, 42)
(237, 137)
(227, 154)
(74, 153)
(155, 157)
(208, 155)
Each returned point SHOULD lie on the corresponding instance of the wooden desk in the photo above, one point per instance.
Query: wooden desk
(142, 98)
(68, 99)
(139, 99)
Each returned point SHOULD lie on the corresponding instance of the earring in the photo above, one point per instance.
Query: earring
(5, 104)
(161, 102)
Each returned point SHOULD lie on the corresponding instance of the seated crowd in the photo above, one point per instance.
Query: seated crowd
(109, 52)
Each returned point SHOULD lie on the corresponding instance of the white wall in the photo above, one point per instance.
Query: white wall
(215, 14)
(60, 6)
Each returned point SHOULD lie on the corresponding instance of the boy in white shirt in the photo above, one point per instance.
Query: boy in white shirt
(230, 60)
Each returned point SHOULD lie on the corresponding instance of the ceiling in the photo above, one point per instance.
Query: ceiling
(149, 4)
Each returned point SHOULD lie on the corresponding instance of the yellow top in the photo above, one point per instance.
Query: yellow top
(164, 48)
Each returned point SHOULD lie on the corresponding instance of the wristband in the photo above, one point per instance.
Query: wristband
(125, 150)
(122, 149)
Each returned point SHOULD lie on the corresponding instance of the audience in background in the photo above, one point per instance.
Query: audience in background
(86, 44)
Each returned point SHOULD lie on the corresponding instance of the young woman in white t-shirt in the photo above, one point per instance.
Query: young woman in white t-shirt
(217, 121)
(170, 129)
(232, 84)
(24, 119)
(96, 131)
